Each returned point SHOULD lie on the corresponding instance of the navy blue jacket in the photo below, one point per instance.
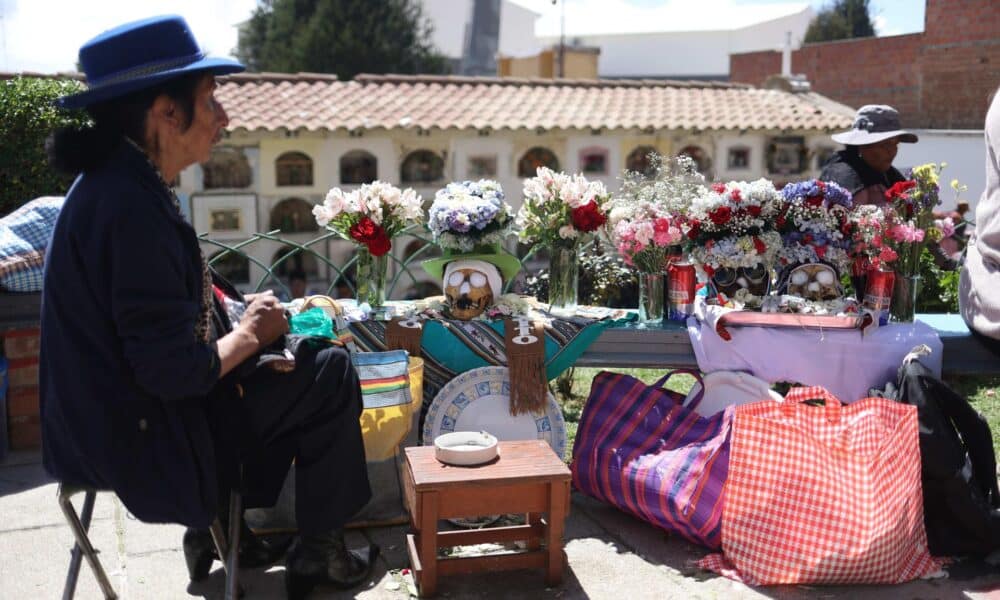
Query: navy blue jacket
(123, 378)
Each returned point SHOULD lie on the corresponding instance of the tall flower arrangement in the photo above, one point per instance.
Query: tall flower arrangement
(910, 216)
(370, 215)
(560, 209)
(469, 214)
(733, 225)
(867, 233)
(814, 224)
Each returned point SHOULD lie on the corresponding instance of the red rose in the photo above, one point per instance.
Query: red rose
(759, 246)
(820, 251)
(718, 188)
(721, 215)
(695, 230)
(899, 190)
(735, 195)
(588, 217)
(814, 200)
(364, 230)
(380, 244)
(754, 210)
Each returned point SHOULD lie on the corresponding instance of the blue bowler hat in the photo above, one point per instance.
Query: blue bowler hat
(138, 55)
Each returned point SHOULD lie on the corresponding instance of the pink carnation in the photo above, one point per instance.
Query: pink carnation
(906, 233)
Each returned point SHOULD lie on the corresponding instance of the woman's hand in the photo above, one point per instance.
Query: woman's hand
(264, 319)
(263, 322)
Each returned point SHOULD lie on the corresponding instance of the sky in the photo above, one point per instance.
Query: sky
(45, 35)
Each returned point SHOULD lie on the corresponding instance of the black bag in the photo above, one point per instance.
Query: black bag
(958, 465)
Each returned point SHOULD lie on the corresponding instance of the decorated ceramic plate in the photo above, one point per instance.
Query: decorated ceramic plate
(479, 400)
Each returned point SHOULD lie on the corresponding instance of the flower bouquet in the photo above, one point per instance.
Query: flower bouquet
(370, 216)
(559, 210)
(470, 214)
(732, 236)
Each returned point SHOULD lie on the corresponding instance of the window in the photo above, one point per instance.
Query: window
(738, 158)
(293, 215)
(642, 160)
(481, 167)
(594, 161)
(232, 265)
(226, 168)
(786, 155)
(700, 157)
(299, 262)
(294, 168)
(534, 158)
(358, 166)
(422, 166)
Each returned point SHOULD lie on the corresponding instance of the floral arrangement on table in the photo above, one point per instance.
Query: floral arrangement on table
(814, 222)
(560, 209)
(370, 215)
(469, 214)
(910, 216)
(732, 226)
(868, 236)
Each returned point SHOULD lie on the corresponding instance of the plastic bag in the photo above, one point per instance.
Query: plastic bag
(314, 322)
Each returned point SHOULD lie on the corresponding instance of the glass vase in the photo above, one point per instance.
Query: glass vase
(903, 307)
(564, 269)
(371, 272)
(651, 287)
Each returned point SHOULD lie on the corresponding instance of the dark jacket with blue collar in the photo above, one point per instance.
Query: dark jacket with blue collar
(123, 378)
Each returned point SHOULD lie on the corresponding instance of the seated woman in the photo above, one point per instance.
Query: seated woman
(864, 167)
(979, 282)
(146, 387)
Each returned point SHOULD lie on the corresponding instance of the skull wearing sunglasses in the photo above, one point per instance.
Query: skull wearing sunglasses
(468, 292)
(755, 279)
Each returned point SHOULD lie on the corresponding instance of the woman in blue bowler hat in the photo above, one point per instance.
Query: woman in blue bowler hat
(147, 387)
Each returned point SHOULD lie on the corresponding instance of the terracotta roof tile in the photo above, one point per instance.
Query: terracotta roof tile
(269, 101)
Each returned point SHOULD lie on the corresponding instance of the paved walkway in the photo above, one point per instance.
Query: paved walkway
(611, 555)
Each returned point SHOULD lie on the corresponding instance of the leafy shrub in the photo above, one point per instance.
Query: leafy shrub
(603, 281)
(27, 117)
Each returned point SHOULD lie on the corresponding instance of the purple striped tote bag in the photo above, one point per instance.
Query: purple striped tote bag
(641, 449)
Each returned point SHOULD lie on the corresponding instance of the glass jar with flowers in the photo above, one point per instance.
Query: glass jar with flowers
(559, 213)
(910, 227)
(370, 216)
(732, 238)
(872, 258)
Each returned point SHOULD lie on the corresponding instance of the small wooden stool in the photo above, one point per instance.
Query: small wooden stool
(527, 478)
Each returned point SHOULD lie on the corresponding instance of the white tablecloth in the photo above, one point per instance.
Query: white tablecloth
(841, 360)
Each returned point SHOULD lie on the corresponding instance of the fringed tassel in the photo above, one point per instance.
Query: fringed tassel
(525, 348)
(404, 334)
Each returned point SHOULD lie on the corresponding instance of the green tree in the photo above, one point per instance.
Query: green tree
(844, 19)
(344, 37)
(27, 117)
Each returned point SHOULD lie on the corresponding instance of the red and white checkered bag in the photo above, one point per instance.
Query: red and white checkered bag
(823, 494)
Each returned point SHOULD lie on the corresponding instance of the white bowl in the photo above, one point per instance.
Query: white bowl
(465, 448)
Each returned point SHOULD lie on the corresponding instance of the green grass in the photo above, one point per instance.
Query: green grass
(573, 388)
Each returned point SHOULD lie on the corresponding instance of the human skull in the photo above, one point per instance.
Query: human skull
(814, 281)
(755, 279)
(468, 291)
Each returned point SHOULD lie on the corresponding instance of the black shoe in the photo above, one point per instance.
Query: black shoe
(325, 560)
(255, 552)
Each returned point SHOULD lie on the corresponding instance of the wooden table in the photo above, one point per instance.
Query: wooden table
(527, 478)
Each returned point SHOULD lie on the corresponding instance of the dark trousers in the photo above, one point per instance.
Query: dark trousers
(309, 415)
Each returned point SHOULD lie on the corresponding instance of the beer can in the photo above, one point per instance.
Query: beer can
(681, 281)
(878, 293)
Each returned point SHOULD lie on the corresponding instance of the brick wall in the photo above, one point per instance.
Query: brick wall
(23, 425)
(855, 72)
(959, 62)
(942, 78)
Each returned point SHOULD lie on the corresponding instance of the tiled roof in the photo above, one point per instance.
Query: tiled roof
(269, 101)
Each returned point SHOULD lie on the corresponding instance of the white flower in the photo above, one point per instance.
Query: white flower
(323, 214)
(568, 232)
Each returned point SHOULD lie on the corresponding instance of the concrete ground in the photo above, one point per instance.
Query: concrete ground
(611, 555)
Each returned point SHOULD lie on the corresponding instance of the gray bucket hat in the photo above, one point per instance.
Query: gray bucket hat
(874, 123)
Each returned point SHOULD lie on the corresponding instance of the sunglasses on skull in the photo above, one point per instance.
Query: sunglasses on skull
(755, 274)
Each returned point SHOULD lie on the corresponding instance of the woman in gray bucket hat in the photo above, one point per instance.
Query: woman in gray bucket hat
(864, 166)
